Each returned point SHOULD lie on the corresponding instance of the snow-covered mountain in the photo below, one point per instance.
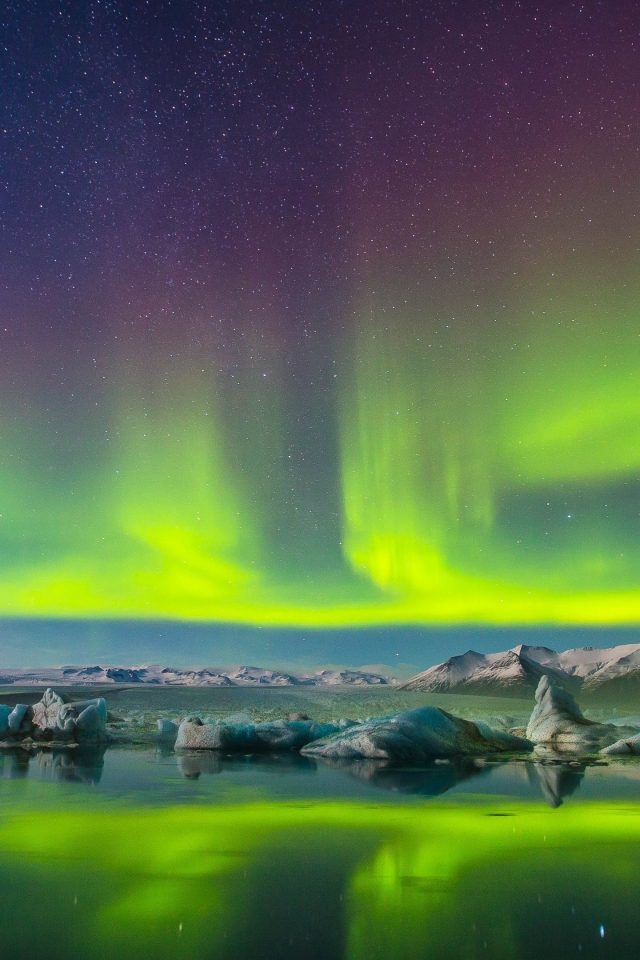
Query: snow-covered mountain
(520, 669)
(242, 676)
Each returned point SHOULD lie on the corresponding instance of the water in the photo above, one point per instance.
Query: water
(135, 852)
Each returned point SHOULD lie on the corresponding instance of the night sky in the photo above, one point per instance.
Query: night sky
(319, 315)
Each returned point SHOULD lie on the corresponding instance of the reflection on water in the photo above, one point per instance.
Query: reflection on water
(385, 873)
(193, 763)
(321, 881)
(428, 781)
(557, 780)
(519, 885)
(162, 774)
(80, 765)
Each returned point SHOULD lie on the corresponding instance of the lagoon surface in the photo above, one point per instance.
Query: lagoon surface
(134, 851)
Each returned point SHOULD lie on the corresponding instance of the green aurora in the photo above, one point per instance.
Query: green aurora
(320, 323)
(482, 470)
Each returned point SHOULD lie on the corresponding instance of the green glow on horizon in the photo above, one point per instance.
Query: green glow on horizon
(489, 473)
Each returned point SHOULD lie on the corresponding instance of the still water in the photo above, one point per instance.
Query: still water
(139, 853)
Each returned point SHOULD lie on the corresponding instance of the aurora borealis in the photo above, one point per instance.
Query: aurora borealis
(320, 316)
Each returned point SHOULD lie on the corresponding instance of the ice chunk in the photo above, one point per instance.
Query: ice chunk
(271, 735)
(167, 728)
(20, 718)
(90, 724)
(624, 748)
(557, 721)
(415, 736)
(5, 713)
(193, 734)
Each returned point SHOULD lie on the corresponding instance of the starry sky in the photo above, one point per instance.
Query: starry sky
(318, 318)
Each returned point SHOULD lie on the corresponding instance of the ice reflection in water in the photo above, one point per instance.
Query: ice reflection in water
(429, 781)
(555, 779)
(79, 765)
(193, 763)
(552, 779)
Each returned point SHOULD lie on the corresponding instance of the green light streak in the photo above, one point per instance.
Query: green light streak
(456, 438)
(488, 467)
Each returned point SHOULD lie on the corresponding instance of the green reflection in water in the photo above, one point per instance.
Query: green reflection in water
(325, 880)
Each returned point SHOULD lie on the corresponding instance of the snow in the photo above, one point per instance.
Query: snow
(525, 664)
(245, 676)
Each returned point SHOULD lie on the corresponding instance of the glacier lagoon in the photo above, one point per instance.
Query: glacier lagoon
(136, 852)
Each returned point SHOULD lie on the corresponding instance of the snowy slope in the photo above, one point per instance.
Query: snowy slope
(521, 667)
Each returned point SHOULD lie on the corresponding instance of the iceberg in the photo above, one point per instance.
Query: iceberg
(234, 737)
(54, 719)
(416, 736)
(558, 722)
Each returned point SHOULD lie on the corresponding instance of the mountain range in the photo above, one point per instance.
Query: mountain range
(243, 676)
(519, 669)
(514, 672)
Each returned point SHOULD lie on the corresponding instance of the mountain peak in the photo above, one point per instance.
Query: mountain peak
(520, 669)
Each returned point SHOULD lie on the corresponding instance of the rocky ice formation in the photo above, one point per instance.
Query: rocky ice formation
(234, 737)
(518, 671)
(629, 747)
(416, 736)
(54, 719)
(167, 729)
(558, 722)
(339, 678)
(409, 737)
